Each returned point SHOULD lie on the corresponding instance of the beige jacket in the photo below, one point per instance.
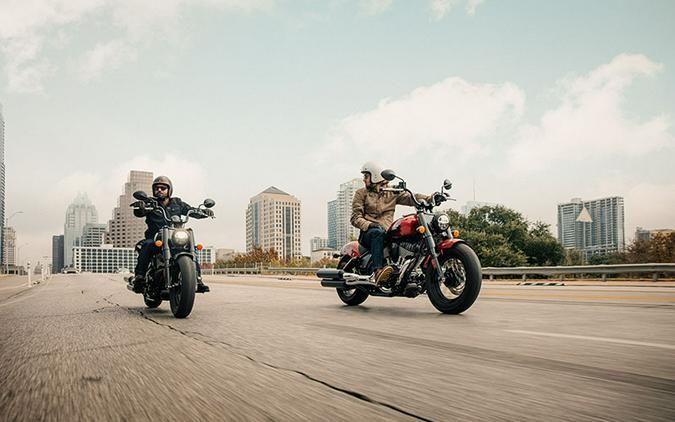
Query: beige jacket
(369, 206)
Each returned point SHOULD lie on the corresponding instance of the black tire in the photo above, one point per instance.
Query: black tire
(152, 303)
(182, 297)
(472, 277)
(353, 296)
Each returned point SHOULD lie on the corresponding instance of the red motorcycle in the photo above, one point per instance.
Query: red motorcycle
(425, 254)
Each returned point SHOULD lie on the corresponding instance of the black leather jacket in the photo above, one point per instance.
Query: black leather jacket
(155, 220)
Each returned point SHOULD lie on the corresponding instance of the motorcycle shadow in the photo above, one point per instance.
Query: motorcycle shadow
(393, 312)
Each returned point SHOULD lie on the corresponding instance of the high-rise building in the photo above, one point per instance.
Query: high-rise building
(317, 243)
(80, 213)
(125, 229)
(592, 227)
(340, 215)
(8, 247)
(104, 259)
(332, 224)
(2, 176)
(57, 253)
(273, 221)
(93, 235)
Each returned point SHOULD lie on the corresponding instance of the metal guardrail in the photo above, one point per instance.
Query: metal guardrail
(604, 270)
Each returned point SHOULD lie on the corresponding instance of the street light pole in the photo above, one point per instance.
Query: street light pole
(18, 250)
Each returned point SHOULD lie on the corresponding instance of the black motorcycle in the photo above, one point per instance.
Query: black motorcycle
(172, 274)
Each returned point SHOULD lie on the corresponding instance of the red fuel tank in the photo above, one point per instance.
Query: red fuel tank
(404, 226)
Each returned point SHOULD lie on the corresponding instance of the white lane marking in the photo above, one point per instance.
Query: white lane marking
(605, 339)
(14, 287)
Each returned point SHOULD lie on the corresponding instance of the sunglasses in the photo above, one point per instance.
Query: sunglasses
(161, 188)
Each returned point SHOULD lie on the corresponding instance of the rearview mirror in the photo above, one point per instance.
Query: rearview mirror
(388, 175)
(447, 184)
(140, 195)
(209, 203)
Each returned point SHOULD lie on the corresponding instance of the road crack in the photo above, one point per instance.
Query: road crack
(202, 338)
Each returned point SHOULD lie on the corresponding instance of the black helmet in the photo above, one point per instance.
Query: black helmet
(162, 180)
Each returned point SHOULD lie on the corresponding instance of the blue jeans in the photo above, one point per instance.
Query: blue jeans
(373, 240)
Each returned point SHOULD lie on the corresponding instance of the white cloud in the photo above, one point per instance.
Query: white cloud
(440, 8)
(590, 120)
(374, 7)
(105, 56)
(471, 6)
(450, 113)
(25, 26)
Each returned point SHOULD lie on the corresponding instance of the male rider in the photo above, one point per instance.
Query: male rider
(373, 212)
(162, 189)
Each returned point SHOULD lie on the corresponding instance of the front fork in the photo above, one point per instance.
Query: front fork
(431, 244)
(166, 252)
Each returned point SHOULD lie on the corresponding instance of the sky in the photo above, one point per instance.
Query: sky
(531, 102)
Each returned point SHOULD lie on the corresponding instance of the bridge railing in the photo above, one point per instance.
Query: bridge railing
(655, 270)
(603, 270)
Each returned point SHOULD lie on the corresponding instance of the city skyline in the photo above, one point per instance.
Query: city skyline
(233, 98)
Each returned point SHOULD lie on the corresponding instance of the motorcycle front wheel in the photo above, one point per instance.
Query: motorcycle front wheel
(462, 278)
(182, 297)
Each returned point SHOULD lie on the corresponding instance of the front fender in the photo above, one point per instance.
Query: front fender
(447, 244)
(441, 247)
(179, 254)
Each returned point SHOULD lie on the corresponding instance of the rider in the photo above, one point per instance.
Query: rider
(373, 212)
(162, 189)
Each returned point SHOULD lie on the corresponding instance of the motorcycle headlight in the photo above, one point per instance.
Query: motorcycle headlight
(180, 237)
(442, 222)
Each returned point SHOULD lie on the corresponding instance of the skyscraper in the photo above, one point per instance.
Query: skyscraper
(125, 229)
(332, 224)
(2, 177)
(340, 214)
(593, 227)
(57, 253)
(79, 213)
(273, 221)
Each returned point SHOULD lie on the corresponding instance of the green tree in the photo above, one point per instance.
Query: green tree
(502, 237)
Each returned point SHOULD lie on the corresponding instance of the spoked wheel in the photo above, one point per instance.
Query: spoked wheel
(462, 278)
(182, 297)
(353, 296)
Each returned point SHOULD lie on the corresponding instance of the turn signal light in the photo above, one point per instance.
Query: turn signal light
(421, 230)
(158, 243)
(455, 233)
(200, 246)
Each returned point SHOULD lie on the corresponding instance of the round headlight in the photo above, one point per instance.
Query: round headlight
(180, 238)
(442, 222)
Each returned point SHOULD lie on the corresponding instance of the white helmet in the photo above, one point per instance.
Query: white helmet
(375, 171)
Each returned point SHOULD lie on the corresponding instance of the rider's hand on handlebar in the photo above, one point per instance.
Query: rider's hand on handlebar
(207, 212)
(439, 198)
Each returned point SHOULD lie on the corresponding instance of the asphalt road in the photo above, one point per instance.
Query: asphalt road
(82, 347)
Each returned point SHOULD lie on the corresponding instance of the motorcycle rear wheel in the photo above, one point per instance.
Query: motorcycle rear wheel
(182, 297)
(462, 280)
(353, 296)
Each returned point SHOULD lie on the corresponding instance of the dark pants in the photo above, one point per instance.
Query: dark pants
(373, 240)
(146, 251)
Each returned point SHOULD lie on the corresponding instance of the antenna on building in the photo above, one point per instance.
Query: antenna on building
(474, 189)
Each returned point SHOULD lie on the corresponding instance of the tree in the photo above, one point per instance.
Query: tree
(502, 237)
